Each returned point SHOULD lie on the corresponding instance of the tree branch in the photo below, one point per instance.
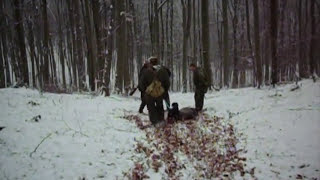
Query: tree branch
(40, 144)
(160, 6)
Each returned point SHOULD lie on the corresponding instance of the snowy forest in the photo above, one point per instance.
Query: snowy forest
(57, 45)
(159, 89)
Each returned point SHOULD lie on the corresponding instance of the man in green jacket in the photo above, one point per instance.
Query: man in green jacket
(201, 83)
(155, 82)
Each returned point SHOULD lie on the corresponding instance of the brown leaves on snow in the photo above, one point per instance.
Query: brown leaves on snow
(208, 144)
(138, 172)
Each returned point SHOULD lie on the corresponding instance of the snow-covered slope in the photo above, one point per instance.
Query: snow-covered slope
(85, 136)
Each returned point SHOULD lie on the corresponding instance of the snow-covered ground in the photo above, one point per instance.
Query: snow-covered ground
(84, 136)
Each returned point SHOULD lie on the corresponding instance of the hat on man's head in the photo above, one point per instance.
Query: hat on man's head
(153, 60)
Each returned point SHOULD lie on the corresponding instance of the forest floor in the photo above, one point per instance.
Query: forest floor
(244, 134)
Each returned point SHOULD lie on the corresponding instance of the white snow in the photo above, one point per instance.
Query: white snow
(88, 138)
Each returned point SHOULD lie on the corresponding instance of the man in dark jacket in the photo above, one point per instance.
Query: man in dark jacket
(201, 83)
(142, 71)
(150, 82)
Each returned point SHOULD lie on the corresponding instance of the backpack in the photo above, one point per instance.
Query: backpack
(155, 89)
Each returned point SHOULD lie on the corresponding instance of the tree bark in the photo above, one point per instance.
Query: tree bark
(90, 46)
(235, 45)
(120, 43)
(23, 62)
(79, 53)
(248, 26)
(60, 44)
(274, 31)
(45, 66)
(186, 20)
(110, 35)
(313, 40)
(257, 42)
(206, 40)
(225, 43)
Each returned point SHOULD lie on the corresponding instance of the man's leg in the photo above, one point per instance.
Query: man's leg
(199, 98)
(160, 110)
(151, 105)
(143, 103)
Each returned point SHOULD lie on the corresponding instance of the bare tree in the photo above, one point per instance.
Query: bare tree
(225, 43)
(313, 39)
(22, 62)
(120, 43)
(205, 39)
(257, 42)
(274, 31)
(186, 15)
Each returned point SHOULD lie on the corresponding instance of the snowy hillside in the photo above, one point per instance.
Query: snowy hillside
(273, 134)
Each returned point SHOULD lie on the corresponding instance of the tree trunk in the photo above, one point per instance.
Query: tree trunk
(300, 45)
(110, 35)
(313, 40)
(2, 64)
(257, 42)
(248, 26)
(120, 43)
(274, 31)
(90, 46)
(206, 40)
(60, 44)
(225, 42)
(186, 20)
(79, 53)
(98, 24)
(22, 62)
(45, 65)
(235, 45)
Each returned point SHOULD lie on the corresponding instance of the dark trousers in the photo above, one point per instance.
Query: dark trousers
(155, 108)
(199, 98)
(143, 102)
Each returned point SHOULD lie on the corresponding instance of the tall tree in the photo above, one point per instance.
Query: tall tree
(206, 39)
(257, 42)
(2, 62)
(120, 43)
(31, 41)
(248, 25)
(60, 43)
(79, 51)
(301, 61)
(225, 42)
(110, 15)
(235, 43)
(91, 57)
(153, 15)
(274, 31)
(313, 39)
(98, 24)
(45, 65)
(23, 61)
(72, 45)
(186, 21)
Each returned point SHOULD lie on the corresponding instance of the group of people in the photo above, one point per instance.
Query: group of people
(154, 84)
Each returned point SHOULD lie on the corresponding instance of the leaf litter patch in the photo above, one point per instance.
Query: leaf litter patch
(209, 145)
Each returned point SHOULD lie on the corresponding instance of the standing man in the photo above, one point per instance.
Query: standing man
(155, 83)
(201, 84)
(141, 72)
